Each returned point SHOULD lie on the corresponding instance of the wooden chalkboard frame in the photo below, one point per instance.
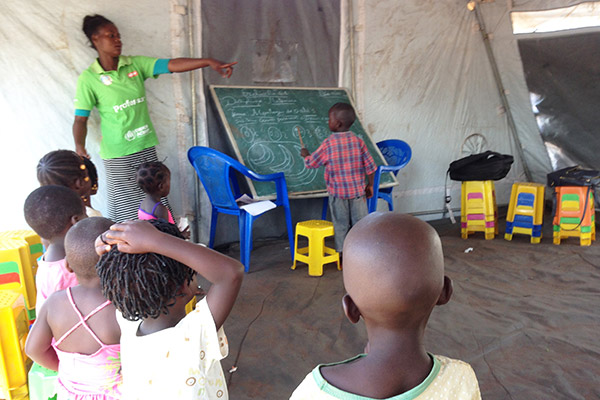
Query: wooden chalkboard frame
(293, 195)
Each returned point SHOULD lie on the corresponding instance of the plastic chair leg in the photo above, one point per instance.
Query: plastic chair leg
(324, 211)
(290, 230)
(245, 239)
(213, 227)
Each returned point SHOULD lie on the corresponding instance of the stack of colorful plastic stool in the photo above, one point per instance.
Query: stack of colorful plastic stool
(479, 212)
(14, 364)
(16, 272)
(574, 217)
(525, 211)
(42, 383)
(36, 248)
(316, 254)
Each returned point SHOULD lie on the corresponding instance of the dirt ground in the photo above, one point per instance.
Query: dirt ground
(525, 316)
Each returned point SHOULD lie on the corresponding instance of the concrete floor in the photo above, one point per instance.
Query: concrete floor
(524, 316)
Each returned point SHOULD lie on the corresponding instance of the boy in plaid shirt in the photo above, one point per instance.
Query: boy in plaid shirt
(347, 161)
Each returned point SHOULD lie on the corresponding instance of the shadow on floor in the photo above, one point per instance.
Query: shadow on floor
(524, 316)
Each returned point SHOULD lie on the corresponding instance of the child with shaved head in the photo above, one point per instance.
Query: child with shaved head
(394, 276)
(76, 331)
(51, 211)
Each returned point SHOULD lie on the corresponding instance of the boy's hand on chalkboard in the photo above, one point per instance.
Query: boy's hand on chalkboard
(304, 152)
(369, 191)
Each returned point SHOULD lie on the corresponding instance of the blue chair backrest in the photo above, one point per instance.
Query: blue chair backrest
(396, 152)
(216, 170)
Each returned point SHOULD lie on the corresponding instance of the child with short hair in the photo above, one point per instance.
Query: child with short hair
(146, 271)
(347, 161)
(394, 277)
(76, 332)
(69, 169)
(50, 211)
(154, 178)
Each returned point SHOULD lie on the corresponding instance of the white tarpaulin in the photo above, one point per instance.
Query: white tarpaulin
(418, 71)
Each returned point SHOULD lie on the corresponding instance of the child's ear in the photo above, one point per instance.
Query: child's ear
(446, 292)
(67, 266)
(350, 309)
(77, 218)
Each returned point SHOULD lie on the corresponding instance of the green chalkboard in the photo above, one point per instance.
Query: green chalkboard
(262, 124)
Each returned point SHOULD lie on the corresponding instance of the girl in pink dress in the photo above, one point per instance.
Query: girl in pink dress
(76, 332)
(154, 178)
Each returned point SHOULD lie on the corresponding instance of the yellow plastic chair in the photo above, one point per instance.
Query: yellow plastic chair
(479, 212)
(36, 248)
(316, 254)
(525, 211)
(16, 273)
(14, 364)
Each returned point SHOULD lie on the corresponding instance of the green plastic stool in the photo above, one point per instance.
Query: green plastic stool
(42, 383)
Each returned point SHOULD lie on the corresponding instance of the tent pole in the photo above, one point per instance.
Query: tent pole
(196, 225)
(501, 90)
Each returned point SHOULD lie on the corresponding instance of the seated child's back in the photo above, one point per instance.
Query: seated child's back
(50, 211)
(394, 276)
(76, 331)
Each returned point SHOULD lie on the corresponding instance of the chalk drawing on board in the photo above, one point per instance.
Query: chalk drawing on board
(264, 156)
(263, 124)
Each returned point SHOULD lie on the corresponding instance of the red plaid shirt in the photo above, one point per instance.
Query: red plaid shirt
(347, 161)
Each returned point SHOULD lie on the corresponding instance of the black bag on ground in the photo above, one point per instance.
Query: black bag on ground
(574, 176)
(484, 166)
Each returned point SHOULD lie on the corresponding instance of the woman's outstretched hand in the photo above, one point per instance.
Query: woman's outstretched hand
(224, 69)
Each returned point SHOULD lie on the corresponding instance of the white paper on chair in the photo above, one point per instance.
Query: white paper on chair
(258, 207)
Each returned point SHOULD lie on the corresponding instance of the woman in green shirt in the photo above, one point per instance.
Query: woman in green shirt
(114, 84)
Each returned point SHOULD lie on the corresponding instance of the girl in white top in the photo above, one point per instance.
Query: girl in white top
(146, 270)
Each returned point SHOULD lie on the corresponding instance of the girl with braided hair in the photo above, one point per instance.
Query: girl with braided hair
(146, 269)
(69, 169)
(154, 178)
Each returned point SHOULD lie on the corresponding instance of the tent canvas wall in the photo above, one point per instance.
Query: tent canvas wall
(418, 71)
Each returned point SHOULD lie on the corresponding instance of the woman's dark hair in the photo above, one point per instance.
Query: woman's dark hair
(143, 285)
(61, 167)
(150, 175)
(91, 24)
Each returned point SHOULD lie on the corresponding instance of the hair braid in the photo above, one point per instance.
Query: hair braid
(143, 285)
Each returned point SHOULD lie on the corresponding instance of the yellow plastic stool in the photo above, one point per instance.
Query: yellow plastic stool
(14, 364)
(479, 212)
(525, 211)
(572, 218)
(316, 254)
(16, 273)
(36, 248)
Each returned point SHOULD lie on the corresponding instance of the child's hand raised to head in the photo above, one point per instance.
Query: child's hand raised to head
(134, 237)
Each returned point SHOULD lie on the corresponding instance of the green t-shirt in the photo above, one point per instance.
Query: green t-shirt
(120, 97)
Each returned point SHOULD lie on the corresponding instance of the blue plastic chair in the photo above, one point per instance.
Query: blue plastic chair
(215, 171)
(397, 154)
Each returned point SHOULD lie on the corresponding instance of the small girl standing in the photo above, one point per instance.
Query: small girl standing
(147, 271)
(76, 331)
(154, 178)
(67, 168)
